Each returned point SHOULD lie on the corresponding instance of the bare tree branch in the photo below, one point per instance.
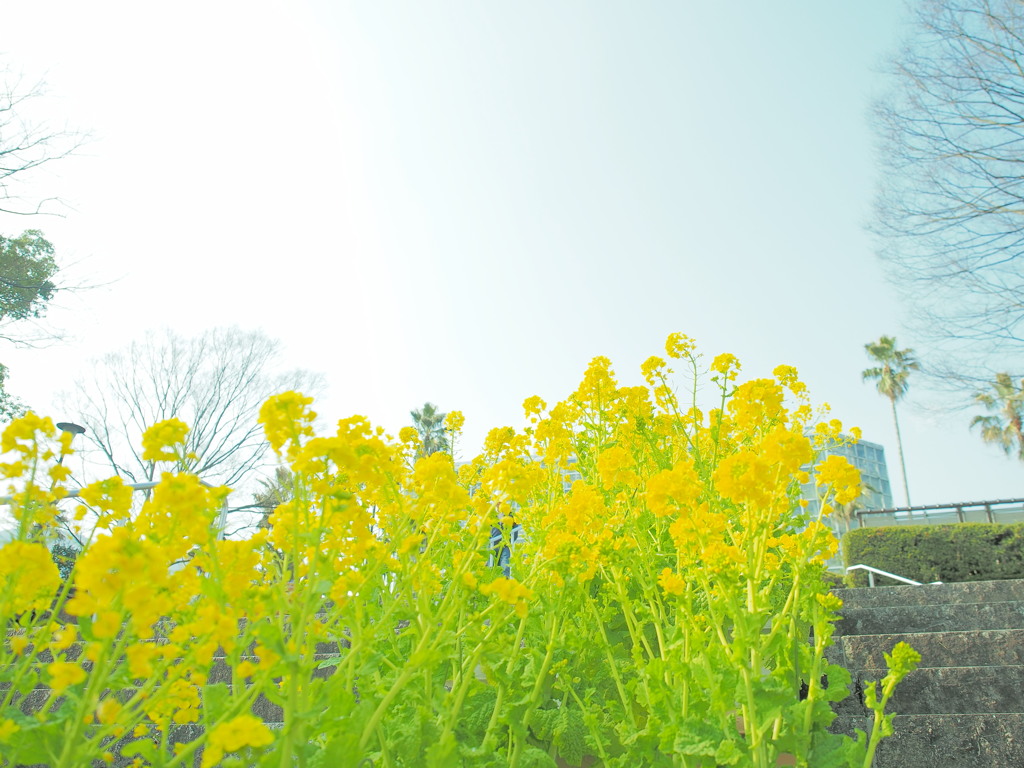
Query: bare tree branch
(950, 210)
(26, 144)
(215, 383)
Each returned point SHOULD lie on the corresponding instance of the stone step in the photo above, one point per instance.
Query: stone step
(969, 648)
(946, 741)
(930, 618)
(945, 691)
(931, 594)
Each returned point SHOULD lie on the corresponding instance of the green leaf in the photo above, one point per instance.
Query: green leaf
(834, 751)
(728, 753)
(38, 743)
(871, 694)
(571, 737)
(694, 737)
(533, 757)
(838, 683)
(330, 661)
(143, 748)
(440, 753)
(216, 700)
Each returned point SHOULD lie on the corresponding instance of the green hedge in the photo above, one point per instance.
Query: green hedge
(962, 552)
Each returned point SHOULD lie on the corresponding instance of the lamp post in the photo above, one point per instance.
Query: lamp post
(73, 429)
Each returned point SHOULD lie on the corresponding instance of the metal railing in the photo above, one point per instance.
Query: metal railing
(871, 571)
(998, 511)
(71, 493)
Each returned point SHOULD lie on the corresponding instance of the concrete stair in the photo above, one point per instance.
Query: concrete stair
(964, 705)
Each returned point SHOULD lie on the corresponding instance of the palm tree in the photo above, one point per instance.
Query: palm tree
(1004, 427)
(273, 492)
(429, 422)
(891, 376)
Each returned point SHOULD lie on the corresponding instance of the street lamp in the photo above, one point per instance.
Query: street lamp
(73, 429)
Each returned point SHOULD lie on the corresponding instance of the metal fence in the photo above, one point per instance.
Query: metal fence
(1000, 511)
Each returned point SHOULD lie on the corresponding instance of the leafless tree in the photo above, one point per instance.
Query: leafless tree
(215, 383)
(26, 144)
(950, 210)
(28, 270)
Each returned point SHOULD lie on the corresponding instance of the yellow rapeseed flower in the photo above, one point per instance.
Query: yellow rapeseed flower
(287, 418)
(108, 710)
(840, 476)
(112, 497)
(28, 576)
(652, 369)
(454, 421)
(820, 541)
(140, 660)
(788, 377)
(159, 439)
(671, 582)
(234, 735)
(533, 406)
(106, 624)
(727, 365)
(64, 674)
(20, 434)
(679, 345)
(509, 591)
(63, 638)
(672, 490)
(7, 729)
(615, 466)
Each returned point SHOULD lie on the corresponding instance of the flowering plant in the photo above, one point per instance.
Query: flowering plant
(665, 603)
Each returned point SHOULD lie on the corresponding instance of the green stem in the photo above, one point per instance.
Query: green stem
(408, 672)
(626, 704)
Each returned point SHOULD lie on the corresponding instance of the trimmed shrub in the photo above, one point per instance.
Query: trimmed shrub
(64, 557)
(948, 553)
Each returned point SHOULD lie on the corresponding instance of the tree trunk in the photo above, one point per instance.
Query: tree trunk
(899, 447)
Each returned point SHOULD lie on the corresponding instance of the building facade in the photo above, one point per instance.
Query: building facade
(869, 458)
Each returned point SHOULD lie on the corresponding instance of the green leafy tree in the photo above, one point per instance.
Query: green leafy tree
(10, 406)
(1004, 426)
(429, 422)
(890, 377)
(27, 271)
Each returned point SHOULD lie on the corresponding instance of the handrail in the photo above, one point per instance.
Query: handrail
(938, 514)
(73, 493)
(872, 571)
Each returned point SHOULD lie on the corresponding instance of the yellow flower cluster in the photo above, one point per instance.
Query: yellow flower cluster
(21, 435)
(111, 497)
(163, 440)
(64, 674)
(680, 546)
(674, 491)
(28, 578)
(235, 735)
(286, 418)
(509, 591)
(839, 476)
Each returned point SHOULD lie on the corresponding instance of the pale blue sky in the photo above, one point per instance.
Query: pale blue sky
(464, 202)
